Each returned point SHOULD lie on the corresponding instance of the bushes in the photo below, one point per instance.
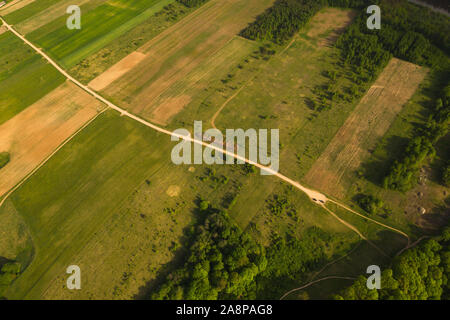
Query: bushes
(370, 204)
(420, 273)
(4, 159)
(8, 273)
(290, 260)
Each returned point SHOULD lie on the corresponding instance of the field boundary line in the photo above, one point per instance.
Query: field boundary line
(6, 196)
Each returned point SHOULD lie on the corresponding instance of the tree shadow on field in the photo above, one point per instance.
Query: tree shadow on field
(180, 255)
(377, 166)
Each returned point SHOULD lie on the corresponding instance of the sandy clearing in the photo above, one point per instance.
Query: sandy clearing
(178, 51)
(368, 122)
(332, 20)
(173, 191)
(15, 5)
(36, 132)
(3, 29)
(52, 13)
(117, 70)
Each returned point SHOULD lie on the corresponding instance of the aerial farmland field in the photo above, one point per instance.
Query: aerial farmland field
(224, 150)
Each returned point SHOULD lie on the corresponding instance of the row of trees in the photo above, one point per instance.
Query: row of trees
(192, 3)
(282, 20)
(420, 273)
(421, 147)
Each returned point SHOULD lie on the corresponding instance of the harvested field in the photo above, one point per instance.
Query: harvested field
(14, 5)
(178, 51)
(116, 71)
(32, 135)
(368, 122)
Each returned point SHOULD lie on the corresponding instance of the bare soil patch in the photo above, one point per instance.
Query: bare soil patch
(367, 123)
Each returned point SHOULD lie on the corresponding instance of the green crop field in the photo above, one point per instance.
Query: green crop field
(24, 76)
(100, 26)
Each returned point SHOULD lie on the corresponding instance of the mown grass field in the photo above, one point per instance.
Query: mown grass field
(281, 93)
(100, 26)
(364, 127)
(431, 194)
(24, 76)
(178, 51)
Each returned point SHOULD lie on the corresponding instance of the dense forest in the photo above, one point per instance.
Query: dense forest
(282, 20)
(419, 273)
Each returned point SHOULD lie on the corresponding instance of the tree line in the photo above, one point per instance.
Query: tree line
(419, 273)
(192, 3)
(402, 173)
(281, 21)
